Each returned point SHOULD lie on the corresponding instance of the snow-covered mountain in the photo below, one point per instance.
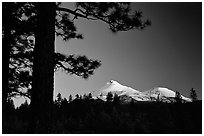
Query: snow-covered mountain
(121, 90)
(115, 87)
(163, 94)
(127, 93)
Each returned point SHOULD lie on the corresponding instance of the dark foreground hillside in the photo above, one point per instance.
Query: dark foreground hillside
(96, 116)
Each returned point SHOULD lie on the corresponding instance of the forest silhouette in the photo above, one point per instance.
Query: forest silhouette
(29, 61)
(85, 115)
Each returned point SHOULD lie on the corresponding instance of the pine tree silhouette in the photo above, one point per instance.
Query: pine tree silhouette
(178, 97)
(116, 99)
(193, 94)
(43, 26)
(70, 98)
(109, 97)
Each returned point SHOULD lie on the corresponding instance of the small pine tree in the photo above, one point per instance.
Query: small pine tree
(77, 96)
(70, 98)
(178, 97)
(116, 99)
(85, 97)
(158, 98)
(90, 96)
(58, 101)
(109, 97)
(193, 95)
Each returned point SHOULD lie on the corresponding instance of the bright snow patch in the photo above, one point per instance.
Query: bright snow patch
(163, 92)
(116, 88)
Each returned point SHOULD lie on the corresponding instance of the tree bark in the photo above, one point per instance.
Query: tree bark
(5, 74)
(6, 45)
(43, 70)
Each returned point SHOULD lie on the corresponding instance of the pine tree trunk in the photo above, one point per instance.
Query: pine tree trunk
(6, 41)
(5, 75)
(43, 70)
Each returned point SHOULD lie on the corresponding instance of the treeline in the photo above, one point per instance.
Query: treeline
(84, 114)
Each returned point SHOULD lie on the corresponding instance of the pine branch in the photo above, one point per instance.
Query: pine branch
(75, 13)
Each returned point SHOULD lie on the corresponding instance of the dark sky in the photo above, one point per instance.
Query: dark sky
(166, 54)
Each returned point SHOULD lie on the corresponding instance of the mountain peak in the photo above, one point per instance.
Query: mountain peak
(117, 88)
(112, 81)
(121, 90)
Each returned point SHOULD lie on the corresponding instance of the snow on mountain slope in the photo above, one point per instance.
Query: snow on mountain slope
(112, 86)
(121, 90)
(160, 93)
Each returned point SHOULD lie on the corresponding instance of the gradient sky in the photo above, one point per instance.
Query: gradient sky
(167, 54)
